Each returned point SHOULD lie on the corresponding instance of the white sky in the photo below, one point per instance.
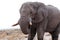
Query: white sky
(9, 11)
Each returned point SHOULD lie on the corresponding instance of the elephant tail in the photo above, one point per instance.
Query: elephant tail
(15, 24)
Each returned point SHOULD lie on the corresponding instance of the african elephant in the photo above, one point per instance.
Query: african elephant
(36, 17)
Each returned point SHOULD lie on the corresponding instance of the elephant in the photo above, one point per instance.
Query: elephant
(36, 17)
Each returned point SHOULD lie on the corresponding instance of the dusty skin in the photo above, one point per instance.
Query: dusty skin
(16, 34)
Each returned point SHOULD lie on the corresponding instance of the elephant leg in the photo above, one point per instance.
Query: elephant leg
(40, 34)
(32, 33)
(55, 33)
(41, 27)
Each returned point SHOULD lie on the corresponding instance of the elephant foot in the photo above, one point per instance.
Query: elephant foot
(54, 36)
(40, 38)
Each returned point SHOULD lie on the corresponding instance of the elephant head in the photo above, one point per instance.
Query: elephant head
(31, 12)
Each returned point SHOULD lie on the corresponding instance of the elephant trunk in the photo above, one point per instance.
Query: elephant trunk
(24, 24)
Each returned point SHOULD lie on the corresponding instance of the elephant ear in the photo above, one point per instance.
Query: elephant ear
(42, 13)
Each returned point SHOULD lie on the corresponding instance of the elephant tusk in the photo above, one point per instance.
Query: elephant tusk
(15, 24)
(30, 23)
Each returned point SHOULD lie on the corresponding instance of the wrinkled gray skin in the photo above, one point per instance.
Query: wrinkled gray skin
(44, 18)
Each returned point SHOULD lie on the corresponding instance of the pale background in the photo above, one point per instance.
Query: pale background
(9, 11)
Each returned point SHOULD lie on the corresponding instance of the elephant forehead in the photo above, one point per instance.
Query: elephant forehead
(28, 10)
(31, 6)
(25, 9)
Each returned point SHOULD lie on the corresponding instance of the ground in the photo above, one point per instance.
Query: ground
(16, 34)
